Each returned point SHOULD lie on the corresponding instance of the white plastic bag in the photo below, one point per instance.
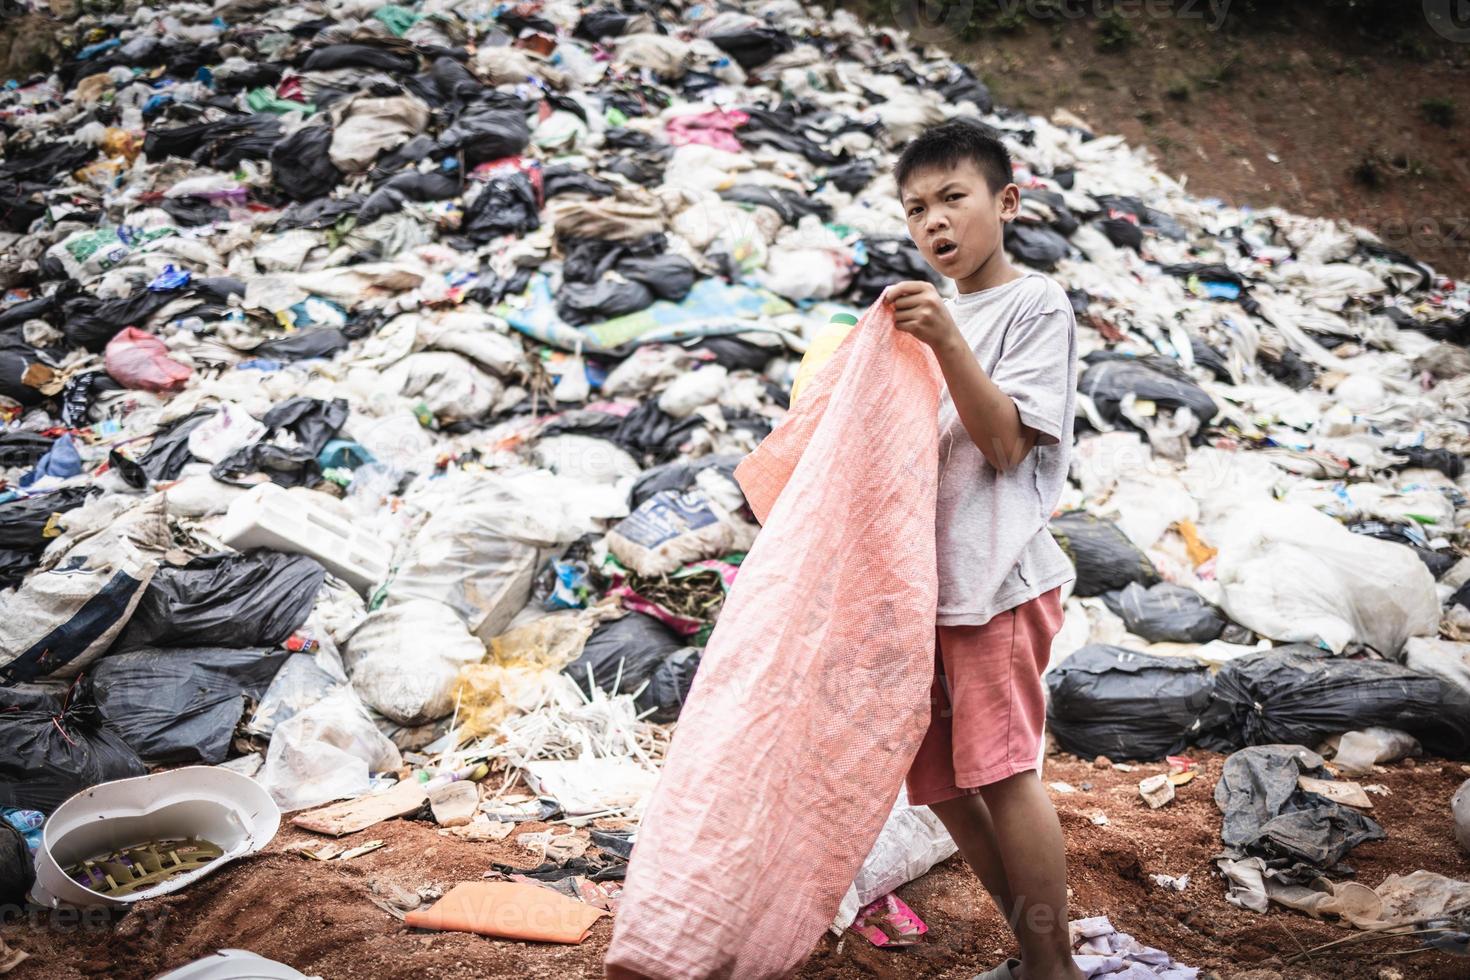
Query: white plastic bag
(405, 657)
(327, 752)
(480, 549)
(1358, 752)
(911, 842)
(1443, 658)
(1294, 574)
(59, 620)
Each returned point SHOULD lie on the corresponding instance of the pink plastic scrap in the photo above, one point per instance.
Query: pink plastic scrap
(889, 921)
(714, 128)
(812, 694)
(138, 359)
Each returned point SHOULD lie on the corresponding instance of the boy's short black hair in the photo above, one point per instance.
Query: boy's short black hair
(948, 144)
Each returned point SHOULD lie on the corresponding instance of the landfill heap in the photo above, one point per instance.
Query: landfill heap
(373, 376)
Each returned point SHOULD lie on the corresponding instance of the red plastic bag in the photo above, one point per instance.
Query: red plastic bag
(138, 359)
(813, 693)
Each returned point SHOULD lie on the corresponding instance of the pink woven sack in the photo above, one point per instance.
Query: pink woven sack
(813, 693)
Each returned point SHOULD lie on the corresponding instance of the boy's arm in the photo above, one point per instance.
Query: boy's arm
(989, 415)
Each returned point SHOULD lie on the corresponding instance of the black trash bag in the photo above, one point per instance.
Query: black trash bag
(45, 162)
(17, 870)
(1104, 557)
(312, 421)
(181, 706)
(16, 564)
(851, 177)
(91, 322)
(487, 132)
(1290, 369)
(1109, 377)
(641, 168)
(1300, 695)
(1125, 704)
(1211, 271)
(754, 46)
(1266, 814)
(22, 448)
(1122, 232)
(169, 452)
(669, 685)
(782, 129)
(579, 302)
(1166, 613)
(22, 369)
(589, 259)
(624, 654)
(233, 599)
(40, 308)
(301, 166)
(1209, 359)
(653, 435)
(131, 472)
(23, 520)
(506, 206)
(55, 747)
(891, 259)
(678, 476)
(286, 466)
(1447, 461)
(598, 24)
(21, 203)
(669, 276)
(735, 353)
(565, 179)
(791, 206)
(221, 144)
(303, 344)
(963, 86)
(361, 56)
(80, 391)
(321, 213)
(191, 212)
(1035, 245)
(390, 196)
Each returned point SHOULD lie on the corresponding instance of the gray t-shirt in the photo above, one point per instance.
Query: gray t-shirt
(994, 549)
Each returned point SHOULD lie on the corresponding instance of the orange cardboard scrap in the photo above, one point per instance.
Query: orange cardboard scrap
(509, 909)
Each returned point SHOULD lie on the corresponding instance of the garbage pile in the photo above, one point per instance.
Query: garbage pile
(372, 378)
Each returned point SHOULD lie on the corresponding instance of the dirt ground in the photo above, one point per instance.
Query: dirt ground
(319, 917)
(1295, 109)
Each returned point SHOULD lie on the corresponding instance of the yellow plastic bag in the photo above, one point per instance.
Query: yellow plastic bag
(824, 345)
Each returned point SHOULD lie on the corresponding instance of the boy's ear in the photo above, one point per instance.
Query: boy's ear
(1010, 202)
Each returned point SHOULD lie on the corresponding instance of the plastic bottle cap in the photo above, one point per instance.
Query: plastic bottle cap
(846, 318)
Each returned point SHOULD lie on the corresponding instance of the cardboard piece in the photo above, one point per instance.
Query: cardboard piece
(1337, 790)
(510, 910)
(353, 815)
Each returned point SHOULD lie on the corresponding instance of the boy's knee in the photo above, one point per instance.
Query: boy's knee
(1010, 787)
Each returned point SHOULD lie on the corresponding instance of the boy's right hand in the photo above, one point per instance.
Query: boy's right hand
(919, 310)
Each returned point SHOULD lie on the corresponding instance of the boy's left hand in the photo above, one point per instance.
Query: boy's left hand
(919, 310)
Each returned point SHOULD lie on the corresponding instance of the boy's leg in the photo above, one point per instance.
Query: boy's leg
(1034, 857)
(968, 821)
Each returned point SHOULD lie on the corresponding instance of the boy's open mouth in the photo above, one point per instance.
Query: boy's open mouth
(944, 247)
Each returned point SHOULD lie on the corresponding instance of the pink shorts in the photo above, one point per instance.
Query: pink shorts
(987, 707)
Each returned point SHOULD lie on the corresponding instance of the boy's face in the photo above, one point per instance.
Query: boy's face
(955, 218)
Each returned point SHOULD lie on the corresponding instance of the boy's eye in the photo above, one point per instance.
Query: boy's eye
(913, 211)
(954, 197)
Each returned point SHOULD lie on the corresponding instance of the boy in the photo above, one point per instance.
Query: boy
(1007, 348)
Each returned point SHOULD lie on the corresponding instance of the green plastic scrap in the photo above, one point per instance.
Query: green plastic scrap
(265, 100)
(397, 19)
